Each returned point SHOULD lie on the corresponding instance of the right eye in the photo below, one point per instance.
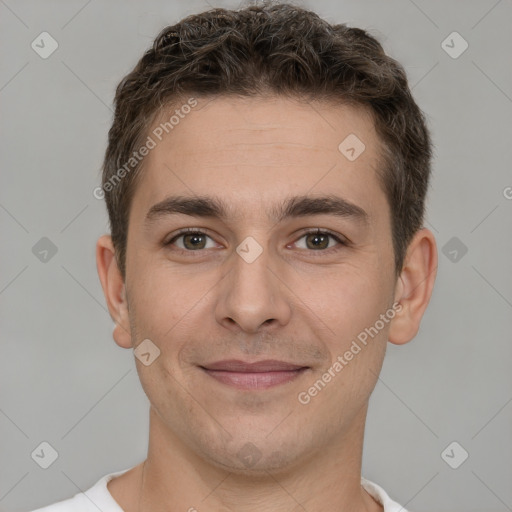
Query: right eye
(192, 240)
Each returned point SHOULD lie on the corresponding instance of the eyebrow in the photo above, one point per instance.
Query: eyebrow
(295, 206)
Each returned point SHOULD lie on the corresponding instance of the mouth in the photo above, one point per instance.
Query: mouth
(253, 376)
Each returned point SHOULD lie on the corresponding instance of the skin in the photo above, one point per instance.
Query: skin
(295, 303)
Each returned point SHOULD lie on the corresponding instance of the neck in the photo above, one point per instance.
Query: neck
(178, 479)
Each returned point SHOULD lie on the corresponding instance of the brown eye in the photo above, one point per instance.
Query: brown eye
(194, 241)
(318, 240)
(191, 240)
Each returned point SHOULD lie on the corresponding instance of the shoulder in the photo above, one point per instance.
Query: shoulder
(381, 496)
(93, 499)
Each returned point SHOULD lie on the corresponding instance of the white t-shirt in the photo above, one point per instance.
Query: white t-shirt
(98, 497)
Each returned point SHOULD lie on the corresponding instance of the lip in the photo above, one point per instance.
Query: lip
(269, 365)
(253, 376)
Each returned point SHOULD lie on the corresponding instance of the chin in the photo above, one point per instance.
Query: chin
(255, 457)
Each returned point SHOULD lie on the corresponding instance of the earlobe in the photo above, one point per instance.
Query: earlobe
(414, 287)
(114, 290)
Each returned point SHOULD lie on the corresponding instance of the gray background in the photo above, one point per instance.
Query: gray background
(63, 379)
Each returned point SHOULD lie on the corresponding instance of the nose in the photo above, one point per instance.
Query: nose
(252, 295)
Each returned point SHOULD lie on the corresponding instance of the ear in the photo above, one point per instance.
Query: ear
(114, 289)
(414, 287)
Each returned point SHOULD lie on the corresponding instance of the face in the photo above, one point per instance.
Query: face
(288, 259)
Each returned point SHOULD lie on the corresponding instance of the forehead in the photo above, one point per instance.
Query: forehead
(247, 149)
(223, 122)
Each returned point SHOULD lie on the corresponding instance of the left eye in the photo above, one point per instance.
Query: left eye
(317, 239)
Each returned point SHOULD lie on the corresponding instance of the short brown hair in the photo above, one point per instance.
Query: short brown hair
(276, 49)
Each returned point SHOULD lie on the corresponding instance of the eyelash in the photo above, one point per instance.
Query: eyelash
(316, 231)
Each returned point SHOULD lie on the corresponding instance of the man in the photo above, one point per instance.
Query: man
(265, 179)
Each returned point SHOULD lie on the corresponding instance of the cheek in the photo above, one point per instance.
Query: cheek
(165, 296)
(347, 310)
(346, 300)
